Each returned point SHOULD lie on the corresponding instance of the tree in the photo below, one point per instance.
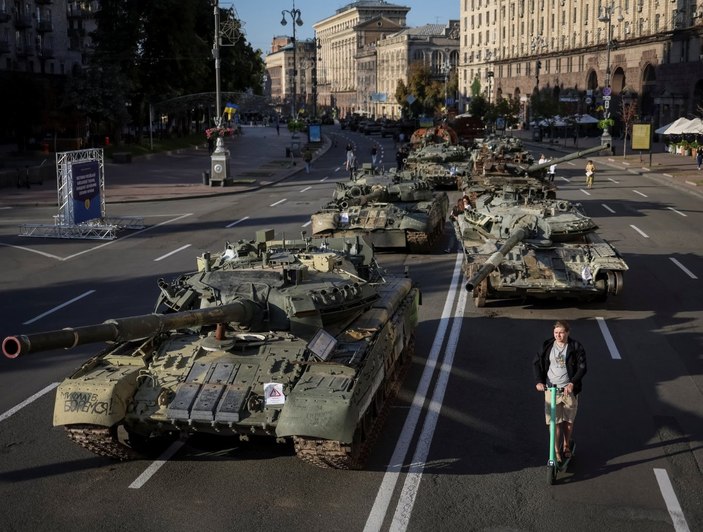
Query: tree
(628, 113)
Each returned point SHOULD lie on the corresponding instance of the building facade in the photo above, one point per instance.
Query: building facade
(283, 80)
(45, 36)
(434, 45)
(649, 48)
(344, 36)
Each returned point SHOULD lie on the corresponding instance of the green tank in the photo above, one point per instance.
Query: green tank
(302, 341)
(387, 211)
(497, 162)
(441, 165)
(516, 246)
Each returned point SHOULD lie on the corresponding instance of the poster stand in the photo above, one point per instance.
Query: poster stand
(80, 185)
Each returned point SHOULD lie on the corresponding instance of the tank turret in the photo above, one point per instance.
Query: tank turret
(536, 168)
(389, 212)
(516, 246)
(300, 340)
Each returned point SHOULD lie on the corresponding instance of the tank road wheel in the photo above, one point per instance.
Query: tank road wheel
(103, 441)
(339, 455)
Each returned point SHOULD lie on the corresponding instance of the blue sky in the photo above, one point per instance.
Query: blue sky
(262, 18)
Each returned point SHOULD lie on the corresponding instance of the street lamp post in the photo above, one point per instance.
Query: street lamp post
(607, 17)
(446, 70)
(297, 21)
(226, 34)
(538, 43)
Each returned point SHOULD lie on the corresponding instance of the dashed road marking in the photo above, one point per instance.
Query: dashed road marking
(162, 257)
(59, 307)
(639, 231)
(683, 268)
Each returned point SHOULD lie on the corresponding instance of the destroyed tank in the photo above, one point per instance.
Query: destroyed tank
(437, 157)
(441, 165)
(302, 341)
(542, 248)
(389, 212)
(502, 161)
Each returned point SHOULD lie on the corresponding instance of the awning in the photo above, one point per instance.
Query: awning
(674, 128)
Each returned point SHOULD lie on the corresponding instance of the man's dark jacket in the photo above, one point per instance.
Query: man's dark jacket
(575, 363)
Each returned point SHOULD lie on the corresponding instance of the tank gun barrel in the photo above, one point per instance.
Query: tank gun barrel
(494, 260)
(533, 168)
(129, 328)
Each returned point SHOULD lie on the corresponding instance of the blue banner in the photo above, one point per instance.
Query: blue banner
(86, 191)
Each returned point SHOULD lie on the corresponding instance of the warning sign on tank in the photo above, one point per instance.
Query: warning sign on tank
(273, 393)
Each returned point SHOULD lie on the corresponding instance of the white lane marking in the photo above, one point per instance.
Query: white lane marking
(307, 223)
(306, 189)
(565, 179)
(613, 180)
(638, 192)
(43, 253)
(608, 208)
(338, 169)
(5, 208)
(325, 178)
(639, 231)
(130, 235)
(390, 478)
(685, 270)
(586, 192)
(401, 519)
(237, 222)
(172, 252)
(27, 401)
(672, 503)
(62, 305)
(572, 163)
(677, 212)
(278, 202)
(156, 465)
(614, 353)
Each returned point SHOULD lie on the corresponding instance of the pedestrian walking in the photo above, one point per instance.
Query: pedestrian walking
(374, 156)
(561, 364)
(350, 162)
(590, 173)
(307, 158)
(699, 156)
(278, 128)
(552, 172)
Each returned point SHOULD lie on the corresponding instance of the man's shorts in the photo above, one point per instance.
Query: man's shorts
(567, 405)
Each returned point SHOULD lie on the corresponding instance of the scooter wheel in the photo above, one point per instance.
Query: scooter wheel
(551, 475)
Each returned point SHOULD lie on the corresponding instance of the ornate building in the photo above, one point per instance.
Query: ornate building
(649, 48)
(435, 45)
(342, 40)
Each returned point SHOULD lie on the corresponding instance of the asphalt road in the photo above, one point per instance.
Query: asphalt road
(465, 446)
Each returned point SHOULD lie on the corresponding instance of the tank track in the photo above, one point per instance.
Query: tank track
(102, 441)
(338, 455)
(421, 241)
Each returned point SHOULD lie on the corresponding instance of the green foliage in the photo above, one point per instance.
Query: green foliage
(296, 125)
(606, 122)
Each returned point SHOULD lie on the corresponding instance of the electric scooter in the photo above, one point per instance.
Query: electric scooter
(554, 466)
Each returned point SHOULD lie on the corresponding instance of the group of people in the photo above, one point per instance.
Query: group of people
(551, 170)
(590, 169)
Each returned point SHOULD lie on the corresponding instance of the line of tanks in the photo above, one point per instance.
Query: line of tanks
(306, 340)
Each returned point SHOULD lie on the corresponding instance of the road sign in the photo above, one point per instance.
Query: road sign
(606, 104)
(606, 91)
(607, 98)
(588, 100)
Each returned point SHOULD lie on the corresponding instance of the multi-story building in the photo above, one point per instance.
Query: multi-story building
(651, 49)
(45, 36)
(283, 80)
(342, 38)
(434, 45)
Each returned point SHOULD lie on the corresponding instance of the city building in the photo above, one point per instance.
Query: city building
(434, 45)
(280, 75)
(648, 49)
(342, 39)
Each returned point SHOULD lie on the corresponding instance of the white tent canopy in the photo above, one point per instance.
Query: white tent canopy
(674, 128)
(694, 126)
(586, 119)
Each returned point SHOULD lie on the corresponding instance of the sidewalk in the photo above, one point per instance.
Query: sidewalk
(257, 158)
(678, 171)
